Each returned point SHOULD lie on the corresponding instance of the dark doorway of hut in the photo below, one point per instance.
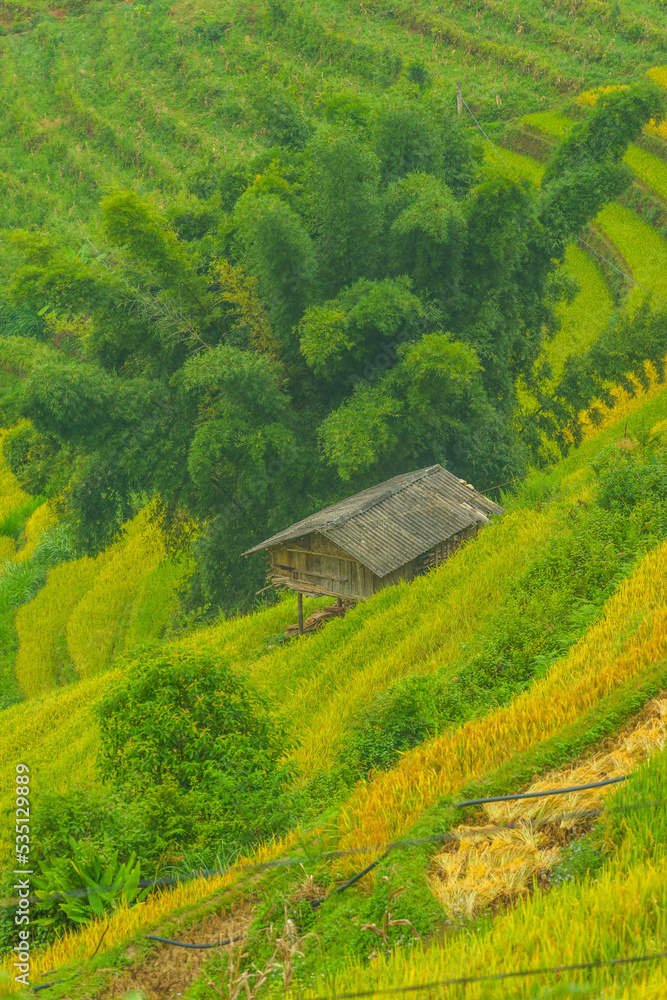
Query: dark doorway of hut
(319, 617)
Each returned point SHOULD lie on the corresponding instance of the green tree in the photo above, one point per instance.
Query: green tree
(344, 206)
(182, 721)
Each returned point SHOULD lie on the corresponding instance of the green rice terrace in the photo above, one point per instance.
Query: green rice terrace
(263, 257)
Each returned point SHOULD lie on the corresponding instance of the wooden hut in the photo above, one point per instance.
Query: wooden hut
(390, 532)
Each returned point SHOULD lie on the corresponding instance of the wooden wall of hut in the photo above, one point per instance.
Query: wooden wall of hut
(315, 564)
(428, 560)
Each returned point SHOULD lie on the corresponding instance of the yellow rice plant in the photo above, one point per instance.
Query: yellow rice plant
(96, 626)
(155, 602)
(7, 548)
(588, 98)
(551, 122)
(658, 74)
(624, 405)
(581, 321)
(55, 736)
(11, 494)
(649, 168)
(641, 245)
(41, 624)
(235, 639)
(39, 521)
(658, 129)
(407, 629)
(75, 948)
(617, 914)
(487, 865)
(630, 637)
(515, 165)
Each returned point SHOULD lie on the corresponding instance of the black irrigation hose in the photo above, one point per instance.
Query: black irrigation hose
(332, 855)
(47, 986)
(500, 975)
(479, 802)
(346, 885)
(537, 795)
(183, 944)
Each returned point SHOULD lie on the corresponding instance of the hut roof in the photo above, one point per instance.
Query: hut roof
(390, 524)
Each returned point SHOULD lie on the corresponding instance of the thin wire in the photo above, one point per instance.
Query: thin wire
(484, 133)
(352, 851)
(581, 240)
(499, 975)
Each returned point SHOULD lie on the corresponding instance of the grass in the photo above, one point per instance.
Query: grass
(483, 867)
(642, 247)
(114, 115)
(619, 913)
(516, 165)
(155, 603)
(41, 624)
(96, 625)
(631, 636)
(650, 169)
(412, 628)
(551, 122)
(12, 497)
(55, 736)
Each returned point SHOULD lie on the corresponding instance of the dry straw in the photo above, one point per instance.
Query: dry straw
(483, 869)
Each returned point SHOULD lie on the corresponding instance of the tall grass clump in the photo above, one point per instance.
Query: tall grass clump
(96, 626)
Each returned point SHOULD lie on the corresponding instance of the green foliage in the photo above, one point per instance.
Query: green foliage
(425, 232)
(617, 119)
(40, 462)
(101, 882)
(183, 729)
(422, 138)
(276, 214)
(581, 857)
(589, 378)
(344, 204)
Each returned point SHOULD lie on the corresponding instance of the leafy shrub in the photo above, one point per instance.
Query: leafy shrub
(392, 721)
(103, 883)
(626, 479)
(97, 816)
(183, 732)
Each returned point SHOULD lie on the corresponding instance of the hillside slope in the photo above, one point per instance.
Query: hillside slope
(535, 657)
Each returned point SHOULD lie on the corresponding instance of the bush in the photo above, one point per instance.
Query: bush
(193, 744)
(393, 721)
(101, 881)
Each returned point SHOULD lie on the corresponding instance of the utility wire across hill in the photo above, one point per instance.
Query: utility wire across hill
(437, 838)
